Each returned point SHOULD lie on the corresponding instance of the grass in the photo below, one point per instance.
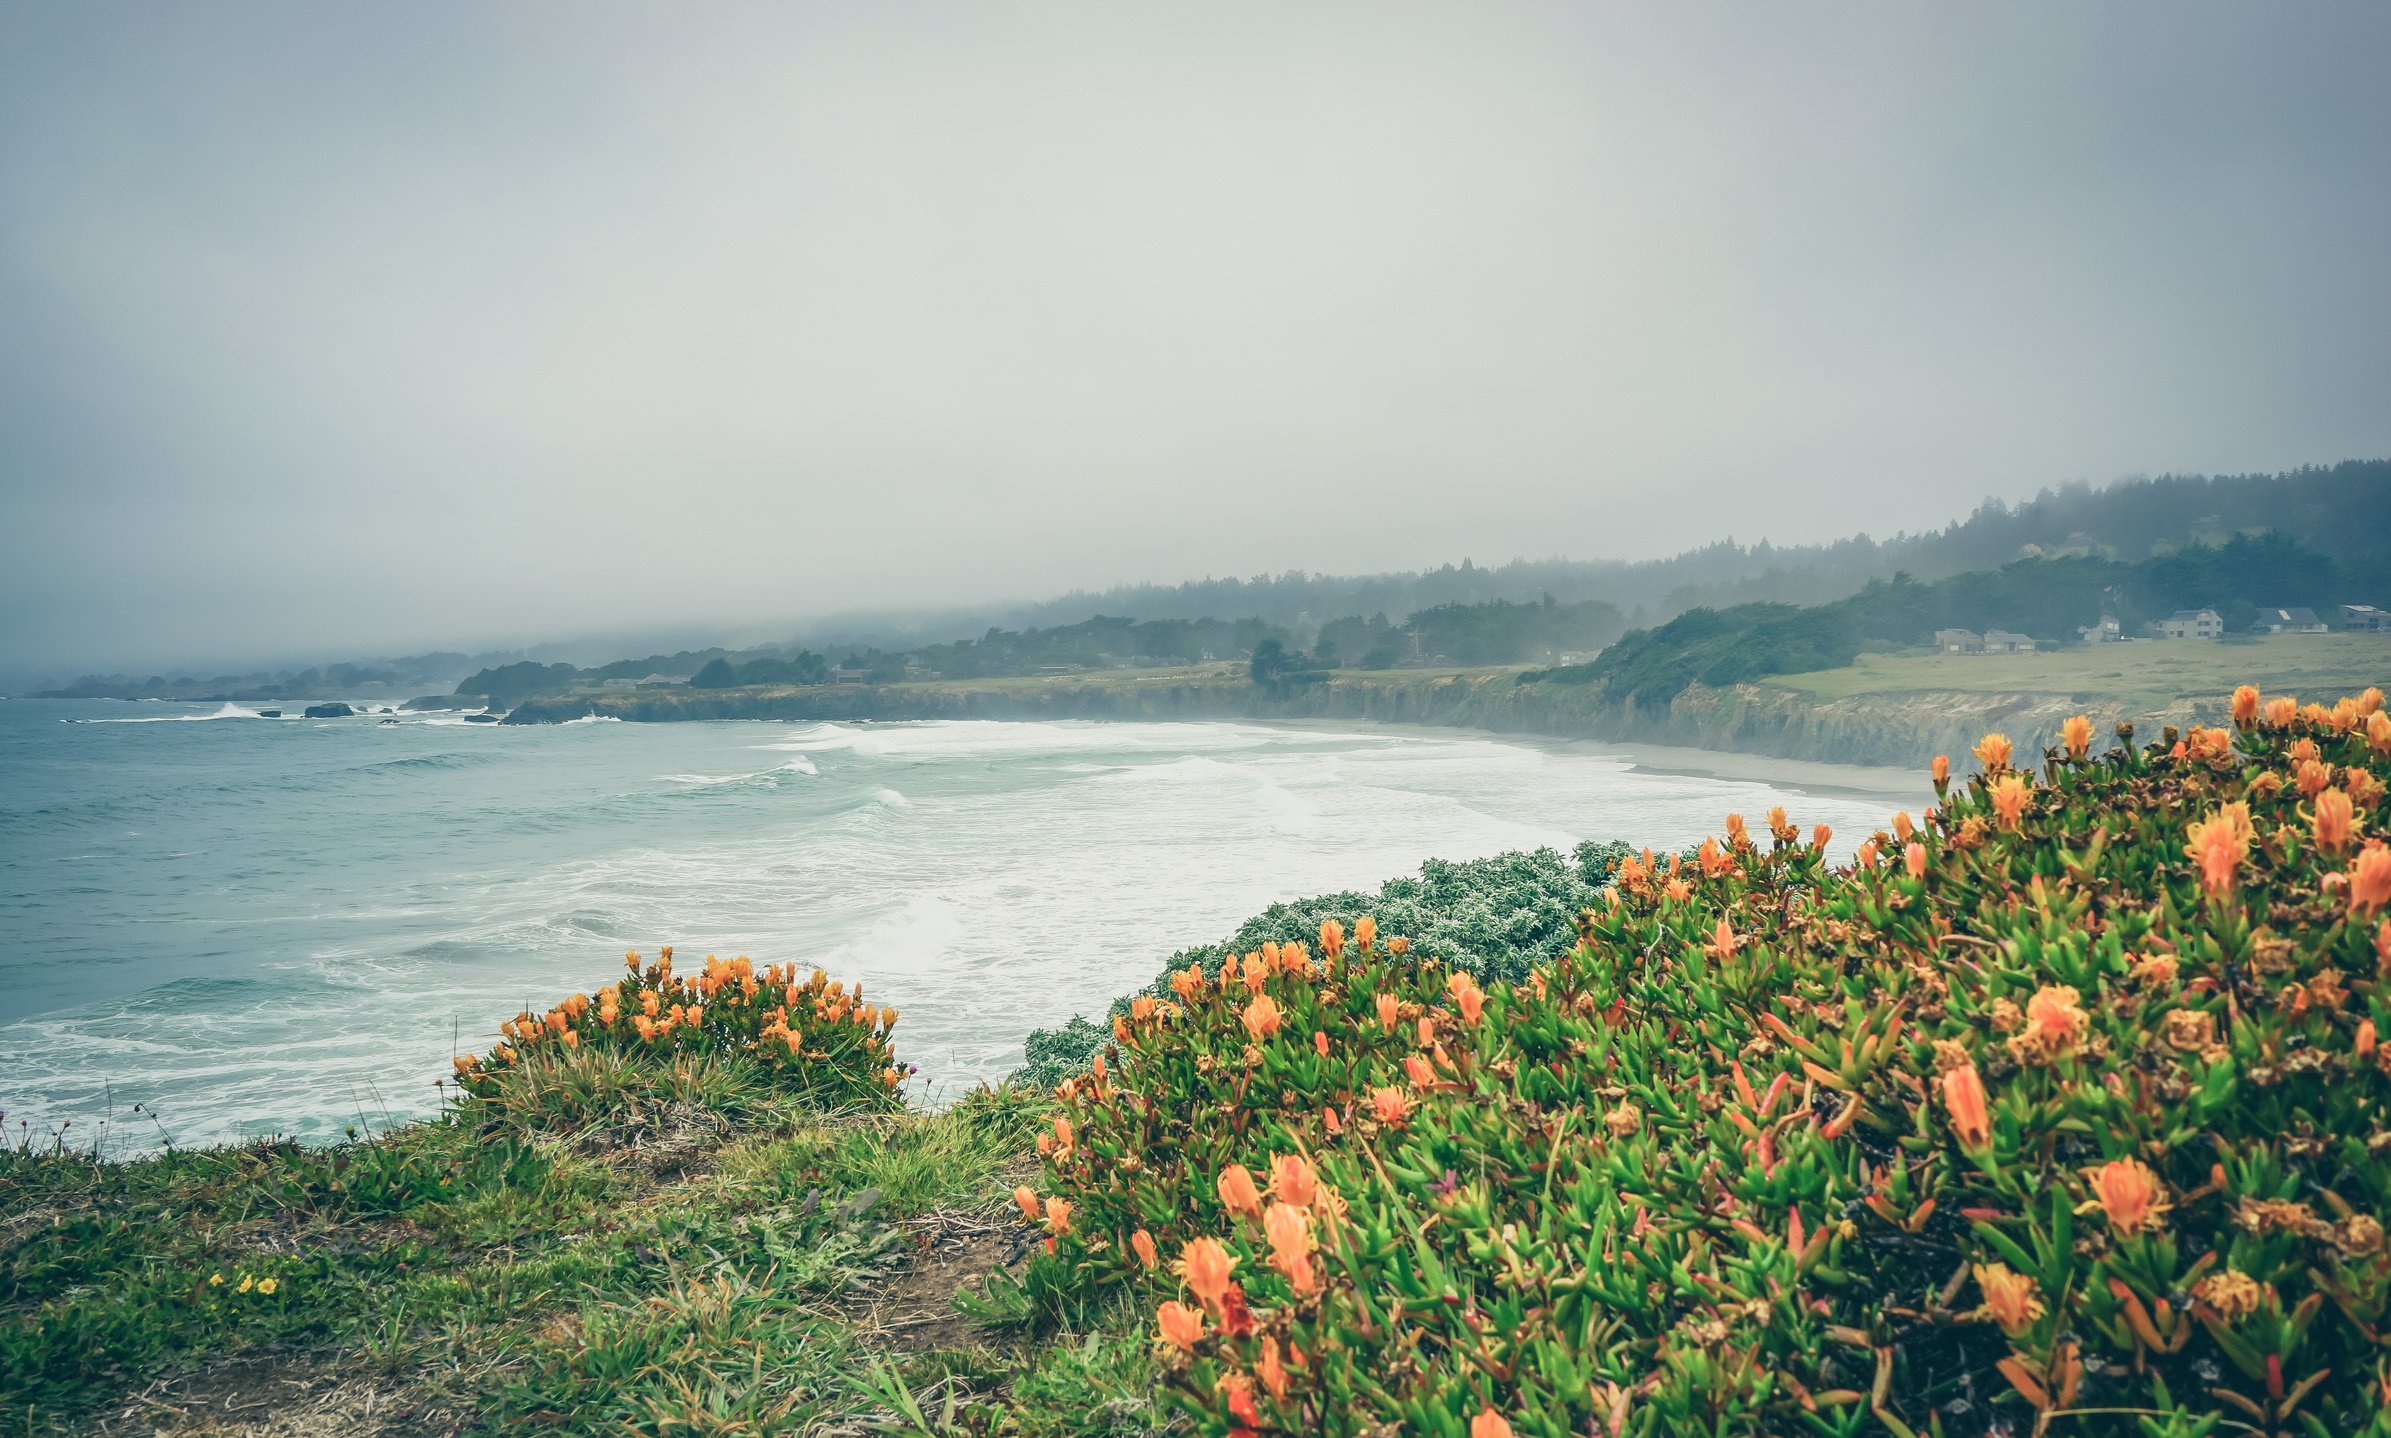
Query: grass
(727, 1262)
(2138, 677)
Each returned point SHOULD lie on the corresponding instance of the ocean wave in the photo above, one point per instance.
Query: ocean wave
(962, 738)
(768, 777)
(229, 711)
(597, 719)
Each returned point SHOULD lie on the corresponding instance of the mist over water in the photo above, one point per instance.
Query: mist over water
(283, 926)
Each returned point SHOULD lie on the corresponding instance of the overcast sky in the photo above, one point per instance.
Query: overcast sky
(346, 329)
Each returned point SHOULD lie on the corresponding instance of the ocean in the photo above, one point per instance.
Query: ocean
(222, 926)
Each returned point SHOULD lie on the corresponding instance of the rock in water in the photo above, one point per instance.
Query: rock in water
(329, 711)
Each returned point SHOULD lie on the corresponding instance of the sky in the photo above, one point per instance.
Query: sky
(344, 329)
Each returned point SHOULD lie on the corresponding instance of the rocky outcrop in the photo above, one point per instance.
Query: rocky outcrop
(335, 710)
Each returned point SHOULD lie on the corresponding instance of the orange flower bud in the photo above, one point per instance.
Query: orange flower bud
(1903, 827)
(1237, 1191)
(1365, 931)
(1387, 1012)
(2076, 736)
(1058, 1213)
(1332, 937)
(1142, 1244)
(1320, 1043)
(1416, 1069)
(2009, 795)
(2332, 821)
(2245, 706)
(1289, 1231)
(1963, 1096)
(1941, 770)
(2218, 847)
(2370, 879)
(1272, 1372)
(1819, 835)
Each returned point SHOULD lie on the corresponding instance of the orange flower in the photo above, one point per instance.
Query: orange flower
(2130, 1194)
(1262, 1017)
(2009, 795)
(1062, 1133)
(1058, 1213)
(1398, 945)
(1941, 770)
(1416, 1069)
(1188, 982)
(1779, 826)
(1426, 1031)
(1489, 1424)
(2209, 744)
(2011, 1299)
(1204, 1265)
(2218, 848)
(2378, 732)
(1236, 1187)
(1903, 827)
(1142, 1244)
(1387, 1012)
(1332, 937)
(1239, 1390)
(2055, 1015)
(1819, 835)
(1182, 1326)
(2332, 821)
(1365, 931)
(2076, 736)
(1391, 1106)
(1320, 1043)
(1466, 993)
(1963, 1095)
(2370, 879)
(1723, 940)
(1992, 751)
(1737, 836)
(1289, 1231)
(2245, 706)
(1715, 860)
(2281, 711)
(2313, 777)
(1914, 858)
(1866, 857)
(1293, 1180)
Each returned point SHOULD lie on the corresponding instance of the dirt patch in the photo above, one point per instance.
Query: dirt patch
(269, 1397)
(946, 1252)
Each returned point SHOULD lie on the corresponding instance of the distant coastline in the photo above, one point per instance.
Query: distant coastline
(1891, 711)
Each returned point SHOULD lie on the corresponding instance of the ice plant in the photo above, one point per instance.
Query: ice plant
(1964, 1099)
(1389, 1009)
(2216, 847)
(1293, 1180)
(1262, 1017)
(1992, 751)
(2331, 820)
(2011, 1299)
(2245, 706)
(2009, 795)
(1182, 1327)
(1141, 1243)
(2076, 735)
(2370, 878)
(1237, 1190)
(1390, 1106)
(2130, 1194)
(1914, 860)
(1204, 1266)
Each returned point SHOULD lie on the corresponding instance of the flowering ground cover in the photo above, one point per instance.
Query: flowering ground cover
(2061, 1110)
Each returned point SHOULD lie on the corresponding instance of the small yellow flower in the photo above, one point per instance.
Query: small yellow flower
(215, 1280)
(268, 1285)
(247, 1283)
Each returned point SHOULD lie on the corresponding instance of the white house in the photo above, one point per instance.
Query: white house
(2007, 641)
(2191, 624)
(2108, 631)
(1959, 641)
(2365, 619)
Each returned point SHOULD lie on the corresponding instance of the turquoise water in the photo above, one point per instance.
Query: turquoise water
(251, 925)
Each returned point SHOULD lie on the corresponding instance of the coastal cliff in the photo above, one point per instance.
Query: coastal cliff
(1898, 729)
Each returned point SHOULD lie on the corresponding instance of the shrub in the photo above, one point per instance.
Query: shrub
(2062, 1111)
(732, 1034)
